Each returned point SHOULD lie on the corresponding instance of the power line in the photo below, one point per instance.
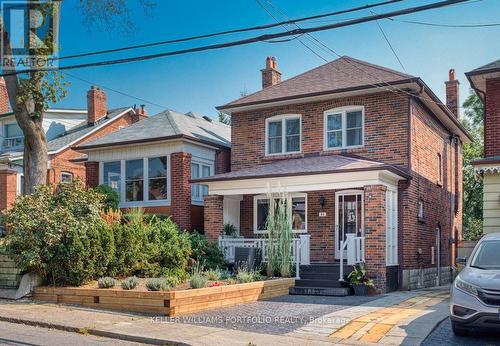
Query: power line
(260, 38)
(483, 25)
(390, 45)
(232, 31)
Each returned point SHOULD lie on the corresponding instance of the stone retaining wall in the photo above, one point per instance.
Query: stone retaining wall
(420, 278)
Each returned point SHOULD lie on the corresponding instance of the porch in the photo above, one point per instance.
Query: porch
(336, 216)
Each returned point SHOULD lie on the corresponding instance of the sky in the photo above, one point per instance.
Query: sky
(200, 81)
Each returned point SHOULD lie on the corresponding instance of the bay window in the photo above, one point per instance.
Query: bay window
(297, 209)
(344, 128)
(283, 134)
(138, 182)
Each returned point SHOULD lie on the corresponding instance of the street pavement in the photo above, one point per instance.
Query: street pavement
(443, 336)
(23, 335)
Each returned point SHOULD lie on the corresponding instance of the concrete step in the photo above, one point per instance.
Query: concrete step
(317, 283)
(321, 291)
(319, 276)
(325, 269)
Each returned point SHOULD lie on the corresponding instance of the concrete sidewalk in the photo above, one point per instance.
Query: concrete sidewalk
(396, 318)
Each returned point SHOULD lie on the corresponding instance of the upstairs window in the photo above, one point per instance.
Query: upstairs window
(344, 128)
(439, 169)
(420, 214)
(283, 134)
(14, 136)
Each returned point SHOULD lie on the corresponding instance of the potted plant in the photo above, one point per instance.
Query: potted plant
(359, 281)
(230, 231)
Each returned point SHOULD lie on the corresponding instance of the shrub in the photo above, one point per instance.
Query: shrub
(106, 282)
(244, 275)
(205, 252)
(58, 234)
(213, 274)
(111, 197)
(230, 230)
(157, 284)
(225, 274)
(198, 281)
(130, 283)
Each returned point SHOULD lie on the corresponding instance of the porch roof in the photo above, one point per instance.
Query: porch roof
(325, 164)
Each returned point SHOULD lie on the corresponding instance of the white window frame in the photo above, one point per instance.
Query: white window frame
(391, 235)
(201, 162)
(67, 173)
(289, 203)
(283, 118)
(19, 184)
(343, 111)
(146, 202)
(439, 167)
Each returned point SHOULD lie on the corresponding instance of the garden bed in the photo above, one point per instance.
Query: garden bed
(170, 303)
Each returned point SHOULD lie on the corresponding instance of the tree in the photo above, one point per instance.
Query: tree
(472, 186)
(224, 118)
(31, 93)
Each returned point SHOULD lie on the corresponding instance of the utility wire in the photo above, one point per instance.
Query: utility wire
(232, 31)
(260, 38)
(478, 25)
(390, 45)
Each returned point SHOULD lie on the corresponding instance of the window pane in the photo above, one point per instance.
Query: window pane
(275, 129)
(134, 190)
(262, 212)
(195, 173)
(299, 213)
(293, 143)
(354, 137)
(354, 119)
(334, 139)
(13, 130)
(205, 171)
(275, 145)
(158, 189)
(334, 122)
(157, 167)
(292, 126)
(111, 171)
(66, 177)
(134, 180)
(134, 169)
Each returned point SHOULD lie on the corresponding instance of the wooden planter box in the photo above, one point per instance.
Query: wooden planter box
(172, 303)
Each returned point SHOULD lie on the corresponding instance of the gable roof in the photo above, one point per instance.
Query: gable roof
(342, 74)
(167, 125)
(477, 77)
(490, 67)
(71, 136)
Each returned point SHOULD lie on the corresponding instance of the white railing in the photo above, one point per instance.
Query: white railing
(13, 142)
(300, 247)
(355, 247)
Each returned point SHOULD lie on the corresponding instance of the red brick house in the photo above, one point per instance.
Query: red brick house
(150, 164)
(64, 128)
(370, 160)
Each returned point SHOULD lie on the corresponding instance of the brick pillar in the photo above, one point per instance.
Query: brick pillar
(222, 161)
(180, 164)
(214, 216)
(375, 220)
(91, 174)
(8, 188)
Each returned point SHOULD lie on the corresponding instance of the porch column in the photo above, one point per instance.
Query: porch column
(180, 166)
(375, 231)
(8, 188)
(214, 216)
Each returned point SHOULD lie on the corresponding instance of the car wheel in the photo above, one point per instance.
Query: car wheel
(459, 331)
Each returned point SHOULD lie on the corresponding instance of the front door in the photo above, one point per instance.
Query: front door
(348, 217)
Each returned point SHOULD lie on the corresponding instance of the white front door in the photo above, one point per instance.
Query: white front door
(349, 216)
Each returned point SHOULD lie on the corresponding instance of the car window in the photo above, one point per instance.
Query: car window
(487, 256)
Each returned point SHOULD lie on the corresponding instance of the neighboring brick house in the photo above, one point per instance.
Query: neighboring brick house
(370, 145)
(64, 129)
(485, 81)
(150, 164)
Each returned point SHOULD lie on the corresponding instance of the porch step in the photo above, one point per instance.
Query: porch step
(320, 291)
(318, 283)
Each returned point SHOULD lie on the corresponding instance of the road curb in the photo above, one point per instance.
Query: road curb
(91, 331)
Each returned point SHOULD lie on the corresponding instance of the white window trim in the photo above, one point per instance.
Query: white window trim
(67, 173)
(283, 118)
(392, 228)
(439, 167)
(290, 196)
(343, 111)
(146, 202)
(19, 188)
(203, 162)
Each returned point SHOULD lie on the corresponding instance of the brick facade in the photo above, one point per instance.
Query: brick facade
(181, 189)
(4, 97)
(214, 220)
(492, 118)
(222, 161)
(8, 183)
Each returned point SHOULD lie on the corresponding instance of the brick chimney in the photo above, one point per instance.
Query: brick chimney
(452, 93)
(4, 97)
(270, 75)
(96, 105)
(140, 112)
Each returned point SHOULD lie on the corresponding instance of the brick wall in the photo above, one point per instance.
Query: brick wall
(92, 174)
(382, 142)
(214, 219)
(222, 161)
(181, 189)
(8, 188)
(492, 118)
(4, 97)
